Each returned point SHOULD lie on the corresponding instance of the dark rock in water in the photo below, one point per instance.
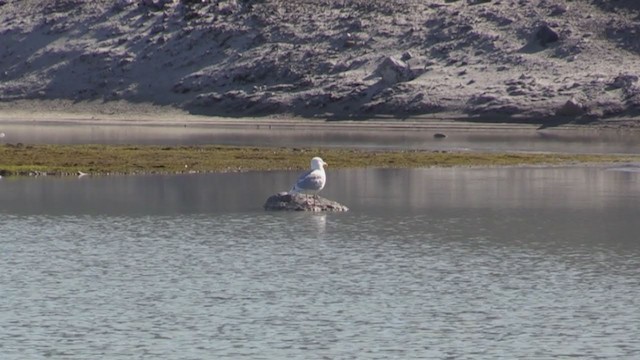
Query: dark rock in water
(439, 135)
(301, 202)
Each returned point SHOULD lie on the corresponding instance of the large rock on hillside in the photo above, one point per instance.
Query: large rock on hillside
(394, 71)
(299, 202)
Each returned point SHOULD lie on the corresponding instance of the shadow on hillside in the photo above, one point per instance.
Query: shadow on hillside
(624, 35)
(612, 5)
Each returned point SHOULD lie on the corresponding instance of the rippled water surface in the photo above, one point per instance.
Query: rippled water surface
(529, 263)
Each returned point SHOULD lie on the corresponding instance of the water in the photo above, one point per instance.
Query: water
(535, 263)
(330, 135)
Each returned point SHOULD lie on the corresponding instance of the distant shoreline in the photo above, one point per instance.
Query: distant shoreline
(125, 113)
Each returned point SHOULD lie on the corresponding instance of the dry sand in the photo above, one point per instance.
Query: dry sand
(536, 61)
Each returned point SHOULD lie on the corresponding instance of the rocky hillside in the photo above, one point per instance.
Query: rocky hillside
(497, 60)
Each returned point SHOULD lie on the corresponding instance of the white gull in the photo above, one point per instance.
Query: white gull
(313, 180)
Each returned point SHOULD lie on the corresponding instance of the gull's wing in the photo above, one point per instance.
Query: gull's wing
(311, 180)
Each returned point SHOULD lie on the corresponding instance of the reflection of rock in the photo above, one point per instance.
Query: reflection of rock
(299, 202)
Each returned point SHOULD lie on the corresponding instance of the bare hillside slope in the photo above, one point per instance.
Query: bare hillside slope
(508, 60)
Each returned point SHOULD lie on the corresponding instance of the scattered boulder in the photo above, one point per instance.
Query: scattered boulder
(121, 4)
(571, 108)
(156, 4)
(299, 202)
(558, 9)
(394, 71)
(624, 81)
(546, 35)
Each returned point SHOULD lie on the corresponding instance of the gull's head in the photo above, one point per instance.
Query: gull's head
(317, 163)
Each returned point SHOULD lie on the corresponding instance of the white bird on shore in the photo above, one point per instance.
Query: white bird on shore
(313, 180)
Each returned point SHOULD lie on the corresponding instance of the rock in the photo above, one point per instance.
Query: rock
(121, 4)
(228, 7)
(394, 71)
(299, 202)
(571, 108)
(546, 35)
(624, 81)
(156, 4)
(349, 41)
(558, 9)
(439, 136)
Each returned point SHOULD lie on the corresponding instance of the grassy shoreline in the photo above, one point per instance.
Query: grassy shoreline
(64, 160)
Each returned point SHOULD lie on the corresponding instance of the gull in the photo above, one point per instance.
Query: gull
(82, 174)
(313, 180)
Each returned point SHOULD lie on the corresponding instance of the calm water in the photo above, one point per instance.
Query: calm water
(572, 141)
(528, 263)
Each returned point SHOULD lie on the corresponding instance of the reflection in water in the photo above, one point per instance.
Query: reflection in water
(626, 168)
(319, 222)
(429, 263)
(371, 190)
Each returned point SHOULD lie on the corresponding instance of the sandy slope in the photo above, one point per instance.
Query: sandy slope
(473, 59)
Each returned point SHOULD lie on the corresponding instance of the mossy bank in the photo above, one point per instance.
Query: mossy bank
(60, 160)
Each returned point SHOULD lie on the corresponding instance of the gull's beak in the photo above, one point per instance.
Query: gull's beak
(324, 164)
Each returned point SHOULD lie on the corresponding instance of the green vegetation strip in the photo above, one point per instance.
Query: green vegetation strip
(121, 159)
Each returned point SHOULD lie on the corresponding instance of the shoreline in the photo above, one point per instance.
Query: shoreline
(67, 160)
(133, 116)
(176, 118)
